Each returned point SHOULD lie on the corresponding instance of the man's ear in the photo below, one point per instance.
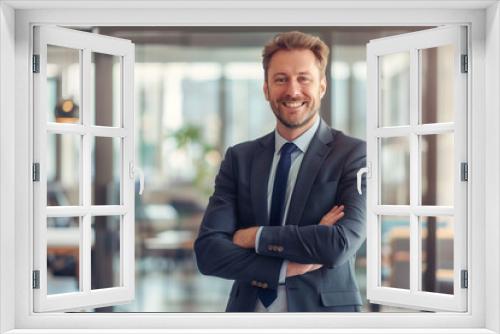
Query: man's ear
(322, 86)
(266, 90)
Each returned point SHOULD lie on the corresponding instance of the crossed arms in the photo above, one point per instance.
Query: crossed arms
(331, 243)
(246, 238)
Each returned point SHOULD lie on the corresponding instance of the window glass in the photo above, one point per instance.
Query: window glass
(63, 255)
(105, 253)
(63, 169)
(437, 254)
(437, 84)
(64, 84)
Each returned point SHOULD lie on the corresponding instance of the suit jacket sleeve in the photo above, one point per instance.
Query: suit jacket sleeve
(216, 254)
(327, 245)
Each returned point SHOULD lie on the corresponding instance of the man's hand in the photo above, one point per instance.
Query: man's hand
(294, 268)
(330, 218)
(245, 238)
(333, 216)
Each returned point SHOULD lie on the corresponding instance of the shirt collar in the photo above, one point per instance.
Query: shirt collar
(302, 141)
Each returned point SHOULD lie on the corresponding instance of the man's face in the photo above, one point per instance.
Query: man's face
(294, 87)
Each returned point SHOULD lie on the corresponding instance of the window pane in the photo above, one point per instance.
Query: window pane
(394, 89)
(438, 161)
(63, 255)
(105, 256)
(106, 166)
(437, 254)
(63, 169)
(395, 171)
(436, 96)
(106, 90)
(395, 251)
(63, 81)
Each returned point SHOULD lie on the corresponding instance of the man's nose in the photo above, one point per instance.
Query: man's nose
(293, 88)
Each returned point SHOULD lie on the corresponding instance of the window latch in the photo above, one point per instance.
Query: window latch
(365, 170)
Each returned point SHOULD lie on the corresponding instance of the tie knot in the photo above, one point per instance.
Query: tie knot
(288, 148)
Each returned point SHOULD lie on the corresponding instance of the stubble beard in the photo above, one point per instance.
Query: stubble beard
(293, 125)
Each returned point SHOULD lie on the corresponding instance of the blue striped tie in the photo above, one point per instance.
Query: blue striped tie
(267, 296)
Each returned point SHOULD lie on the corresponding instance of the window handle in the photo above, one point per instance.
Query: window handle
(141, 180)
(133, 171)
(365, 170)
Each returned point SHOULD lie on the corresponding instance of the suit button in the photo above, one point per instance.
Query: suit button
(265, 285)
(254, 283)
(280, 248)
(270, 248)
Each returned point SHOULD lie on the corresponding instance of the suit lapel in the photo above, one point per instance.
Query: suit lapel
(311, 164)
(261, 165)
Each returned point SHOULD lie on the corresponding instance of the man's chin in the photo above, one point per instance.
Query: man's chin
(295, 124)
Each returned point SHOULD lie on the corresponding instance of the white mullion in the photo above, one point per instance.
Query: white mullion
(85, 254)
(125, 173)
(107, 210)
(373, 189)
(414, 168)
(419, 210)
(65, 128)
(65, 211)
(434, 129)
(102, 131)
(86, 243)
(94, 210)
(392, 210)
(127, 244)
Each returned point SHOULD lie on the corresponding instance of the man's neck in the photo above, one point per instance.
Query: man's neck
(290, 134)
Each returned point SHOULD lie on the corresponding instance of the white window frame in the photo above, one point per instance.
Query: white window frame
(85, 44)
(411, 44)
(16, 20)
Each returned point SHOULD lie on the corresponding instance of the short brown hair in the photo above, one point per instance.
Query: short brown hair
(296, 40)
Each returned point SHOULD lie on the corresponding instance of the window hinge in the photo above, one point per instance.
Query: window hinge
(36, 279)
(465, 279)
(36, 172)
(464, 171)
(465, 64)
(36, 63)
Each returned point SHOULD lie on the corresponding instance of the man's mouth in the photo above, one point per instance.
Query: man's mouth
(293, 104)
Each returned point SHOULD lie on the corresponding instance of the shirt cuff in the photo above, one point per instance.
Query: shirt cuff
(257, 237)
(284, 267)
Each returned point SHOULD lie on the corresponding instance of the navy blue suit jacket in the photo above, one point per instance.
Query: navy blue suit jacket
(327, 177)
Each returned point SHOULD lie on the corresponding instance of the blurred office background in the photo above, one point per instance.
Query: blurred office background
(198, 90)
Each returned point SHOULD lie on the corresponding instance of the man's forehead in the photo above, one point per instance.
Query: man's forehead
(297, 61)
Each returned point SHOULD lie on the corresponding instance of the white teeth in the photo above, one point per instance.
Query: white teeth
(293, 104)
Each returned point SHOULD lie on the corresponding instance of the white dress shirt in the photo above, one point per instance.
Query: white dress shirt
(302, 143)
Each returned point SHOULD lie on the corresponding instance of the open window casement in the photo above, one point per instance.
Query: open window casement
(83, 170)
(417, 151)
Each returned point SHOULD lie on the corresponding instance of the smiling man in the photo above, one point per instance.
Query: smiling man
(285, 220)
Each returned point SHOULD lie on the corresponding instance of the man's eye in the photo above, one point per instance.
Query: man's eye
(280, 80)
(304, 79)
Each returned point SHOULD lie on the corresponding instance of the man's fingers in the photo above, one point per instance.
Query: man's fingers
(337, 209)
